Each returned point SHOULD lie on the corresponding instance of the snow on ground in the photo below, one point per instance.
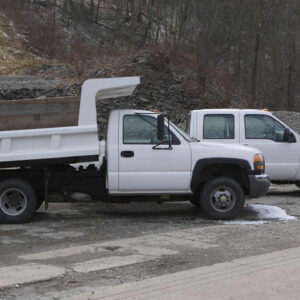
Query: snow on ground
(241, 222)
(4, 34)
(271, 212)
(264, 212)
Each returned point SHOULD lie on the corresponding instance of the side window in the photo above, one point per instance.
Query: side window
(263, 127)
(218, 126)
(142, 130)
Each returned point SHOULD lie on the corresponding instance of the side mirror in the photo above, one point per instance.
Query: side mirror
(286, 135)
(161, 128)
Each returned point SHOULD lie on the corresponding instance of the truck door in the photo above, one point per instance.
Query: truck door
(265, 133)
(219, 127)
(144, 169)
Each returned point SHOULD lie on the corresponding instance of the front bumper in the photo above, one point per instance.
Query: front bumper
(258, 185)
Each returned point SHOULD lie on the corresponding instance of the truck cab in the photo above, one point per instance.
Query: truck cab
(254, 128)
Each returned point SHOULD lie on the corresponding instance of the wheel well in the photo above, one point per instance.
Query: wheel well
(233, 171)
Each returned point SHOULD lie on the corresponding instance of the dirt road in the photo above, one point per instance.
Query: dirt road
(76, 248)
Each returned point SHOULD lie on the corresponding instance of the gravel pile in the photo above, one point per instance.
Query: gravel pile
(26, 82)
(290, 118)
(25, 86)
(161, 88)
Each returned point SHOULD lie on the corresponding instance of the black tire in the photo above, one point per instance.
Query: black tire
(17, 201)
(222, 198)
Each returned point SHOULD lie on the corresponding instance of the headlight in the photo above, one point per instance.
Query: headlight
(259, 163)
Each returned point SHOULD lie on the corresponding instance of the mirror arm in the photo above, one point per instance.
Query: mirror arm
(162, 148)
(169, 133)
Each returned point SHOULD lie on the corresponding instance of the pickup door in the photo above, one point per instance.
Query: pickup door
(259, 130)
(265, 133)
(143, 169)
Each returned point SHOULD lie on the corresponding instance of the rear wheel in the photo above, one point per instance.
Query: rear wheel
(222, 198)
(17, 201)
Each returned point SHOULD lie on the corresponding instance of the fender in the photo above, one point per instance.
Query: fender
(202, 163)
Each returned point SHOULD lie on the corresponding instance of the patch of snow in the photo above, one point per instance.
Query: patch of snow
(78, 196)
(22, 37)
(241, 222)
(271, 212)
(7, 240)
(4, 34)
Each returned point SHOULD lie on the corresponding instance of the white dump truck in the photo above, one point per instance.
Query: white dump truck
(145, 157)
(279, 144)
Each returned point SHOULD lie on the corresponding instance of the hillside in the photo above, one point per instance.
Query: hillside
(192, 54)
(15, 56)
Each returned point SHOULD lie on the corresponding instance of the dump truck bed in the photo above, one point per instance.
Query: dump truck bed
(75, 139)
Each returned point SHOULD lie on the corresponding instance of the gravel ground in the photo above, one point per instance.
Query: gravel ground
(12, 83)
(291, 118)
(147, 230)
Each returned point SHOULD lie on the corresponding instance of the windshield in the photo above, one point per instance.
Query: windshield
(182, 133)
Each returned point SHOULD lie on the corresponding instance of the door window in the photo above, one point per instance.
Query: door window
(263, 127)
(218, 126)
(142, 129)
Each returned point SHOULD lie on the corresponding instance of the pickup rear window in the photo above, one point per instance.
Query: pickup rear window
(218, 126)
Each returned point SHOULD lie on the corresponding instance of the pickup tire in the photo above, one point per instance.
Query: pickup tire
(18, 201)
(222, 198)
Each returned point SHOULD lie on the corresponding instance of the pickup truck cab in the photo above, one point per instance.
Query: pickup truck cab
(279, 144)
(145, 157)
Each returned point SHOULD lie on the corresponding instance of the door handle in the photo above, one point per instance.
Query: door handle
(127, 154)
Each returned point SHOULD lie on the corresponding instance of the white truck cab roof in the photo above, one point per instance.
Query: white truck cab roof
(231, 110)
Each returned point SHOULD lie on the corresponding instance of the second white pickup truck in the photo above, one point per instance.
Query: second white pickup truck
(144, 158)
(279, 144)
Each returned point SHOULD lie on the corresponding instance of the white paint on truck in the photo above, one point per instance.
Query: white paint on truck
(144, 154)
(72, 141)
(254, 128)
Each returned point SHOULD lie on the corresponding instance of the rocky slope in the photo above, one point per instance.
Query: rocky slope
(161, 87)
(291, 118)
(14, 55)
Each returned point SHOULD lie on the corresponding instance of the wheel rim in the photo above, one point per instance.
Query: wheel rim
(222, 199)
(13, 201)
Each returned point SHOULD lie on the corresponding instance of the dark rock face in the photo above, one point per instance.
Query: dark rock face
(159, 89)
(26, 86)
(290, 118)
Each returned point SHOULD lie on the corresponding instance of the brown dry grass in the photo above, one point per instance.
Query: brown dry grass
(14, 55)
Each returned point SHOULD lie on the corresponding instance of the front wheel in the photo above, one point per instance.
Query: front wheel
(222, 198)
(17, 201)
